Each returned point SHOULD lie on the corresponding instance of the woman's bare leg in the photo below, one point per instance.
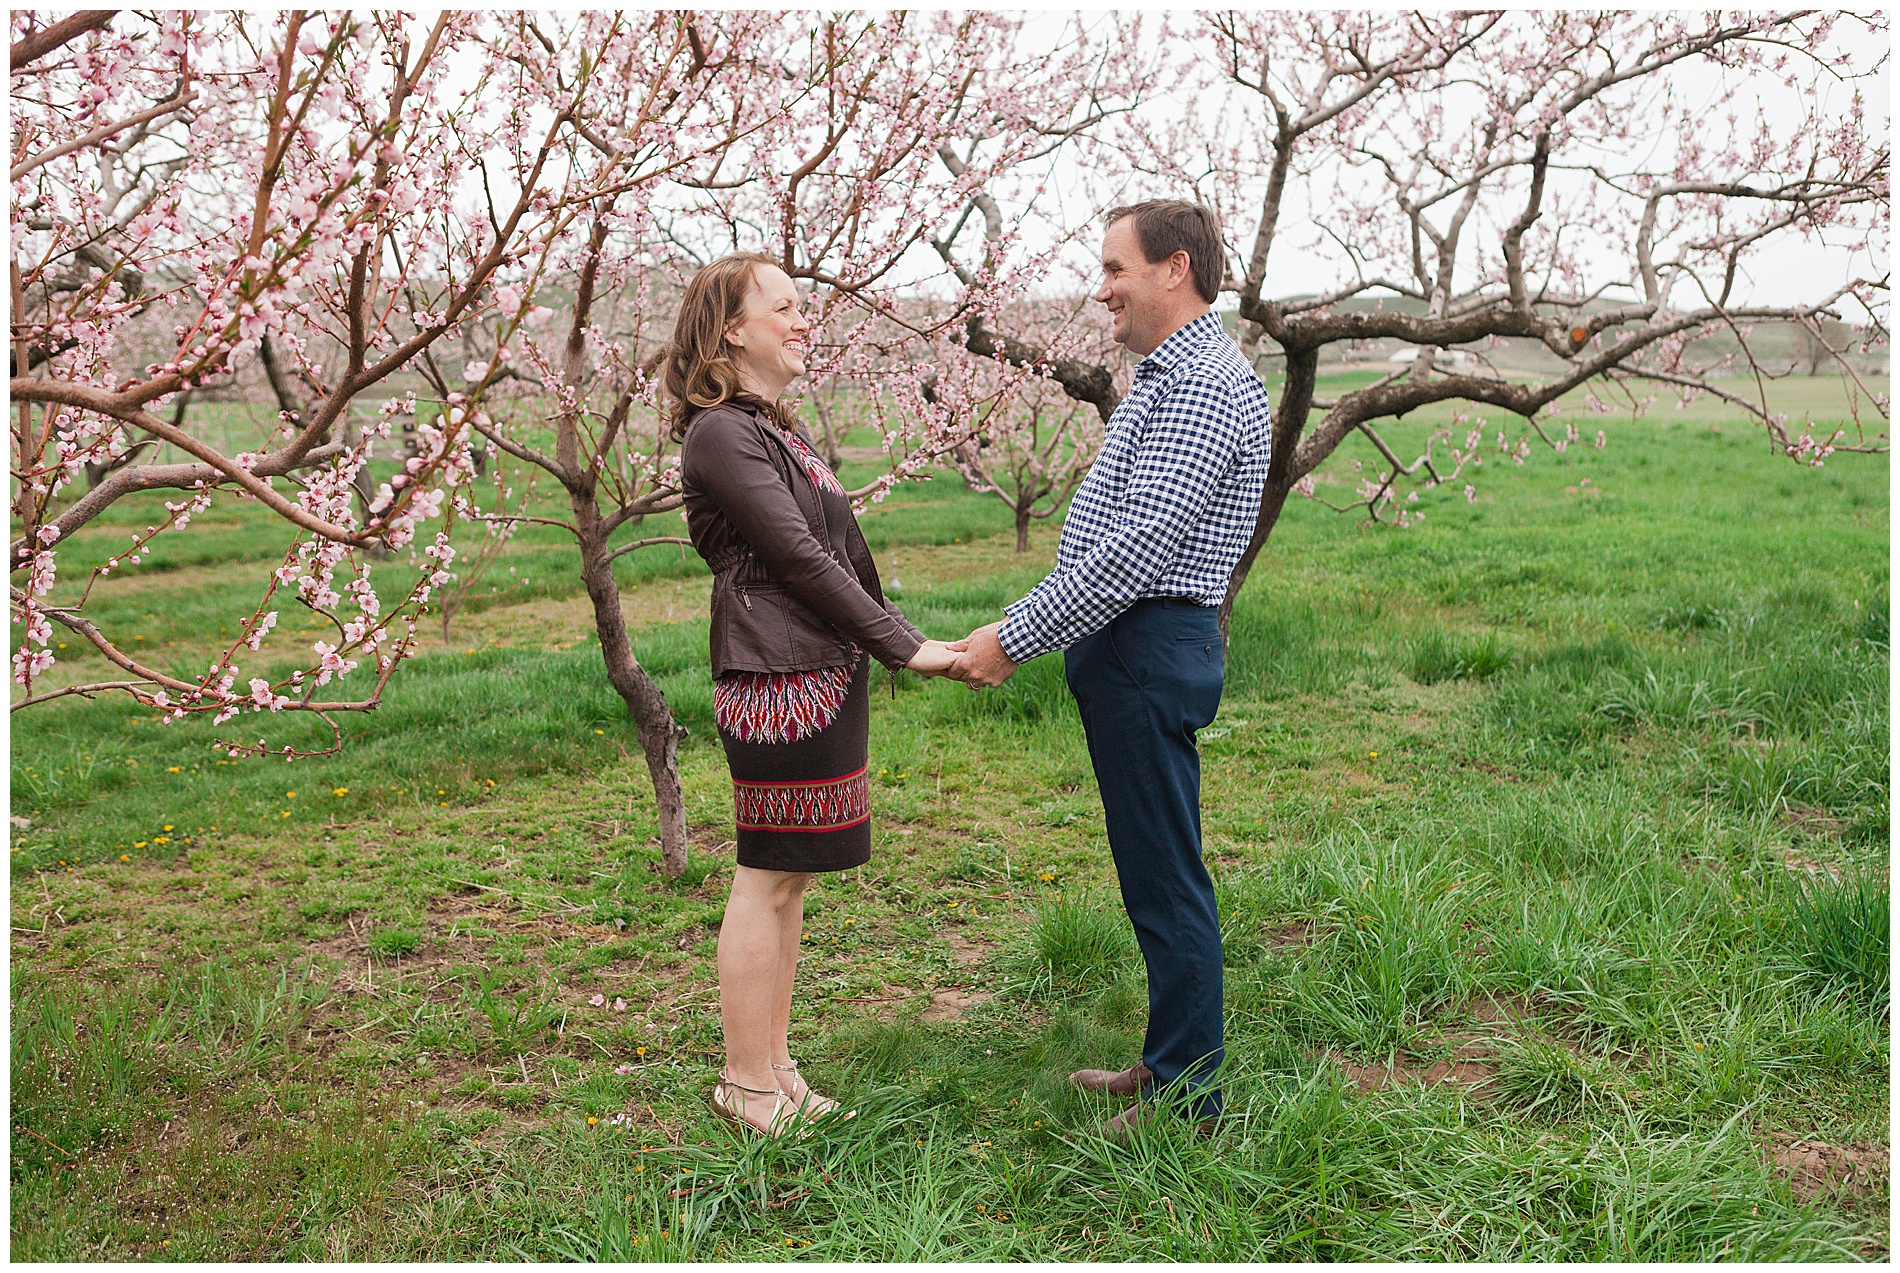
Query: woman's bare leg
(791, 928)
(755, 972)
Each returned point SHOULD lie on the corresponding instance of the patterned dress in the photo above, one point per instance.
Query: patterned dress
(797, 744)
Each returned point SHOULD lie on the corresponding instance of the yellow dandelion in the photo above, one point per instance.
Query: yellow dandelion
(591, 1121)
(339, 791)
(290, 795)
(139, 845)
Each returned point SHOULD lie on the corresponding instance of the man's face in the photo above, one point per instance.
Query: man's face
(1134, 288)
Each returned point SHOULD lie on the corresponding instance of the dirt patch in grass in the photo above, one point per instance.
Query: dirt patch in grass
(1803, 865)
(1815, 1167)
(969, 951)
(1469, 1066)
(446, 945)
(1296, 935)
(948, 1005)
(1814, 821)
(1492, 1008)
(1472, 1059)
(1486, 767)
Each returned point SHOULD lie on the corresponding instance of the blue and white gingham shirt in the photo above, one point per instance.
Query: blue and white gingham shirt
(1170, 503)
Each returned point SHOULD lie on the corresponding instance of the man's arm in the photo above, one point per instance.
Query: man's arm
(1192, 439)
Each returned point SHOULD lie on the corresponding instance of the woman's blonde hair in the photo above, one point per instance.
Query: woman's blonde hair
(699, 372)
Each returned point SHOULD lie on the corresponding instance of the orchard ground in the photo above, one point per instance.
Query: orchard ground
(1550, 836)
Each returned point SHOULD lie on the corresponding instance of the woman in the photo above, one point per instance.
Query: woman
(797, 615)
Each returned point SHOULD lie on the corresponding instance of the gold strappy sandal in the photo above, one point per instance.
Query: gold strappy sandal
(784, 1116)
(813, 1106)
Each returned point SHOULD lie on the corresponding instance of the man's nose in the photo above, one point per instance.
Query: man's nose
(1102, 294)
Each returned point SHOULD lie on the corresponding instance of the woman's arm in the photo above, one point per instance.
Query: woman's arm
(726, 457)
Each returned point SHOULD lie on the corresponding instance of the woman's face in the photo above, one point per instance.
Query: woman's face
(768, 341)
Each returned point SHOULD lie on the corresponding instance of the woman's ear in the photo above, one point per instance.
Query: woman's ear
(731, 338)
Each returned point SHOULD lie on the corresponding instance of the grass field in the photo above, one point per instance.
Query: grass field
(1551, 840)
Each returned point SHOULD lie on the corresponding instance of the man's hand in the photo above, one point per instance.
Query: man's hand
(981, 661)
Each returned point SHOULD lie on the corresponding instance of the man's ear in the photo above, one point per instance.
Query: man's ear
(1179, 261)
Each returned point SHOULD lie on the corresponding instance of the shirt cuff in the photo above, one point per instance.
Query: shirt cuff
(1016, 639)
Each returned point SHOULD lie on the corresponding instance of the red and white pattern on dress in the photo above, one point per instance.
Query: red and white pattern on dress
(815, 468)
(830, 805)
(785, 707)
(779, 707)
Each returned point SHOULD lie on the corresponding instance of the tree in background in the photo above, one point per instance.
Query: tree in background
(1035, 444)
(1593, 186)
(307, 190)
(1031, 453)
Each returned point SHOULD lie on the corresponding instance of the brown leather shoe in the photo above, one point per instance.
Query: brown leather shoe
(1120, 1129)
(1115, 1083)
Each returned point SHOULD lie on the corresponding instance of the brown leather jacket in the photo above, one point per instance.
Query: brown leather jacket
(791, 586)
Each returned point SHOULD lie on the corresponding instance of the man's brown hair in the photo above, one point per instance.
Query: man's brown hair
(1166, 226)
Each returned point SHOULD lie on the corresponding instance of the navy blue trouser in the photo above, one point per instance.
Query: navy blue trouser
(1145, 684)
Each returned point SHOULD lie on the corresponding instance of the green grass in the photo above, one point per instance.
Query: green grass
(1838, 931)
(1588, 792)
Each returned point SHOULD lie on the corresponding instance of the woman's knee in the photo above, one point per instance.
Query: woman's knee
(775, 889)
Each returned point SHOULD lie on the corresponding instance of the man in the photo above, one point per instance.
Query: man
(1150, 540)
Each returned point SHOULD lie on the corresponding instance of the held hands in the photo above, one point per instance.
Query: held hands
(982, 663)
(933, 658)
(978, 660)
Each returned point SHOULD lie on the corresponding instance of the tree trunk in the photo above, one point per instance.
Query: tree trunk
(1022, 528)
(1296, 402)
(1272, 501)
(659, 734)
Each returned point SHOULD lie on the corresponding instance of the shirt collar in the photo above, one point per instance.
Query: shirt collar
(1178, 348)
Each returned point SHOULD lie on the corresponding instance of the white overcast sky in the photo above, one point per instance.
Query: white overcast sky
(1796, 271)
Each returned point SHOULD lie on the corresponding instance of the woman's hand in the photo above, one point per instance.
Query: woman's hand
(933, 658)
